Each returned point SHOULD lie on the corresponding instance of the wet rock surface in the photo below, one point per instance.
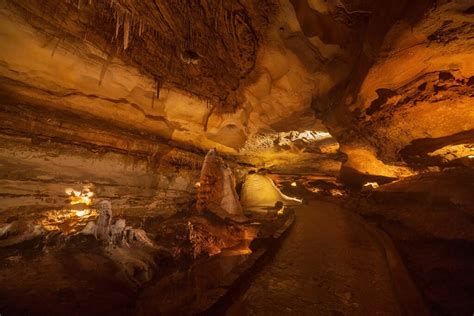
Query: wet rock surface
(328, 265)
(79, 273)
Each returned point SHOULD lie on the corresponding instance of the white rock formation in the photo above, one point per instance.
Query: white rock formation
(260, 191)
(129, 248)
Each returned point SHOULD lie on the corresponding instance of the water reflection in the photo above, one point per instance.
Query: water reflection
(192, 290)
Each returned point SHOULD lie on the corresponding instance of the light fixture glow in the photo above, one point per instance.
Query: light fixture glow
(80, 197)
(281, 211)
(293, 184)
(373, 185)
(336, 192)
(82, 213)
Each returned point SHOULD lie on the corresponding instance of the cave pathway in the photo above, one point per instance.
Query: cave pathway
(329, 264)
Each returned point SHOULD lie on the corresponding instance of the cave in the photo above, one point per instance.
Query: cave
(247, 157)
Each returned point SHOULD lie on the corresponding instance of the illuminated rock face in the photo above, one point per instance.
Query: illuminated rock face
(216, 192)
(391, 81)
(382, 77)
(413, 104)
(259, 190)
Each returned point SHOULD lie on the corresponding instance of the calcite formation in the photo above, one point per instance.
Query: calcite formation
(216, 191)
(259, 190)
(118, 233)
(130, 248)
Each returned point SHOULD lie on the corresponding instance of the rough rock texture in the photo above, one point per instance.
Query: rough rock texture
(415, 98)
(216, 191)
(130, 248)
(366, 69)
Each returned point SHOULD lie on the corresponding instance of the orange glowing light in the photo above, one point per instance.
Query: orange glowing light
(281, 211)
(80, 197)
(293, 184)
(336, 192)
(82, 213)
(373, 185)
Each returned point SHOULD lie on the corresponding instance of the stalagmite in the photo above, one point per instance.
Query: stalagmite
(217, 188)
(104, 221)
(118, 233)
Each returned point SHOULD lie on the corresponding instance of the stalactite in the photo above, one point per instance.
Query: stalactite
(159, 84)
(56, 46)
(105, 66)
(126, 31)
(118, 22)
(153, 100)
(140, 28)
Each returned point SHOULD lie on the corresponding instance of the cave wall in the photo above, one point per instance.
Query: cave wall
(36, 175)
(66, 122)
(383, 77)
(67, 79)
(416, 97)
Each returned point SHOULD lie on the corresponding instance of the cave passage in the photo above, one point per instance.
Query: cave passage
(330, 264)
(221, 157)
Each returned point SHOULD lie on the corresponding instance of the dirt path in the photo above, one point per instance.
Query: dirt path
(329, 264)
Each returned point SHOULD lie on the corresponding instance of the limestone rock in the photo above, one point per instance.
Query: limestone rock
(216, 192)
(259, 190)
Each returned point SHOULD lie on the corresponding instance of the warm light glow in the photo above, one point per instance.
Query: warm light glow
(315, 190)
(373, 185)
(71, 219)
(66, 221)
(82, 213)
(336, 192)
(293, 184)
(197, 185)
(281, 211)
(80, 197)
(452, 152)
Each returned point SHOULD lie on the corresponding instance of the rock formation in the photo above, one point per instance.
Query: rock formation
(130, 248)
(216, 191)
(259, 190)
(118, 234)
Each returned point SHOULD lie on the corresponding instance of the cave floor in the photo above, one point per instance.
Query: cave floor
(329, 264)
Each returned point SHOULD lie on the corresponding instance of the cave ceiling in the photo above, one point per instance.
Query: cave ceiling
(391, 81)
(203, 47)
